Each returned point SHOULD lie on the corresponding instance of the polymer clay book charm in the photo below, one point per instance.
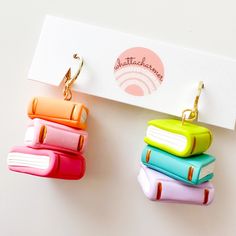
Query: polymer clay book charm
(159, 187)
(192, 170)
(178, 137)
(181, 140)
(174, 165)
(55, 138)
(65, 112)
(46, 163)
(43, 134)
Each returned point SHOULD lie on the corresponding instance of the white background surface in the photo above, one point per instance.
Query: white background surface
(108, 201)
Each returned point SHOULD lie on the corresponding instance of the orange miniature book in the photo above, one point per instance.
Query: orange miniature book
(60, 111)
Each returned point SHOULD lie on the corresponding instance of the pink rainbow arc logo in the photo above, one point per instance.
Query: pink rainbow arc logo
(139, 71)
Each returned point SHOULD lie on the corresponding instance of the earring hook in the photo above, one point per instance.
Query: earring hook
(69, 80)
(193, 113)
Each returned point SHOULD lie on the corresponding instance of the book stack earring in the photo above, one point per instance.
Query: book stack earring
(174, 165)
(55, 138)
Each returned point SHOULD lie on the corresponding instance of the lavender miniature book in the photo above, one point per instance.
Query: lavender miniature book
(157, 186)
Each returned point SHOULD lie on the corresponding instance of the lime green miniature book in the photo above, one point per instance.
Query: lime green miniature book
(179, 139)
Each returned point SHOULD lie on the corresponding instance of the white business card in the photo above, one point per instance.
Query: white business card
(136, 70)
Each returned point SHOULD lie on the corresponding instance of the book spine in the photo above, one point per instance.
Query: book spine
(201, 143)
(70, 167)
(170, 165)
(61, 139)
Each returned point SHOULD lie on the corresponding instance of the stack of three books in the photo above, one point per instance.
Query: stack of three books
(54, 140)
(173, 165)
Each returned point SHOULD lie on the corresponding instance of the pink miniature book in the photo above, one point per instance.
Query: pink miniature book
(157, 186)
(46, 163)
(49, 135)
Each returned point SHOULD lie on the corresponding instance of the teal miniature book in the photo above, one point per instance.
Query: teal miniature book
(193, 170)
